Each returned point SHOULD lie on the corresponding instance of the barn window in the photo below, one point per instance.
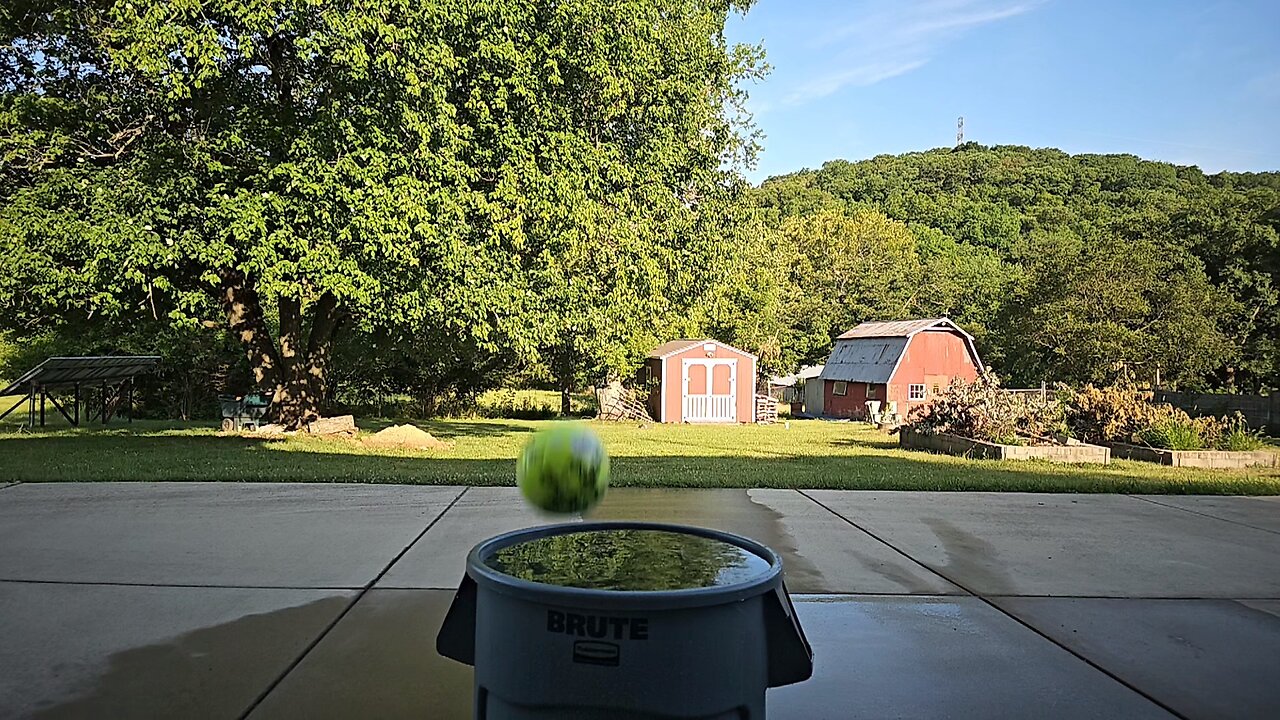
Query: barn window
(871, 392)
(915, 392)
(840, 388)
(935, 389)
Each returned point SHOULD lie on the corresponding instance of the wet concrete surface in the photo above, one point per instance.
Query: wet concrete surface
(111, 651)
(1061, 544)
(1202, 658)
(228, 534)
(143, 645)
(1262, 513)
(876, 657)
(821, 553)
(932, 657)
(379, 662)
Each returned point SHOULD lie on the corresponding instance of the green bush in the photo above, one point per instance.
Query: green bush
(1237, 436)
(515, 404)
(1173, 435)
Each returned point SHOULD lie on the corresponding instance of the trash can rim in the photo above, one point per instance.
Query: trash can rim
(590, 597)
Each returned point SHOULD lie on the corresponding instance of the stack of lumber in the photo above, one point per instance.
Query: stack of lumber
(766, 409)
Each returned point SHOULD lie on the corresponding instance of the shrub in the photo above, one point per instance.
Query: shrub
(1171, 434)
(984, 411)
(1237, 436)
(1117, 413)
(1123, 413)
(510, 404)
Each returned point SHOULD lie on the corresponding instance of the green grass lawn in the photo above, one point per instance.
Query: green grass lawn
(808, 454)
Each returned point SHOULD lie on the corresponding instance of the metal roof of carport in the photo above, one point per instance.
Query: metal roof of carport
(71, 370)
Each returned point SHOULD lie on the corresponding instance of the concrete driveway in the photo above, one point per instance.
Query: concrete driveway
(322, 601)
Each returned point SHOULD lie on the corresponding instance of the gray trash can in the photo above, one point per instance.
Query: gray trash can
(624, 620)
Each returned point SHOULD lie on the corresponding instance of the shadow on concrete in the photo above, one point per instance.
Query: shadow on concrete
(216, 671)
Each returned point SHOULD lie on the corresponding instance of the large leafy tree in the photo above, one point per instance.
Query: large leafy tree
(1089, 311)
(407, 168)
(846, 269)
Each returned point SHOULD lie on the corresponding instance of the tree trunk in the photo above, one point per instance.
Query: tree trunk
(245, 321)
(566, 386)
(320, 344)
(294, 373)
(295, 401)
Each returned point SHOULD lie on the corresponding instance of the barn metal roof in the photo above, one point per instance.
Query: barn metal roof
(674, 346)
(70, 370)
(864, 359)
(899, 328)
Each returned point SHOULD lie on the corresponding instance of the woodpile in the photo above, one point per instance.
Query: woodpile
(766, 409)
(618, 404)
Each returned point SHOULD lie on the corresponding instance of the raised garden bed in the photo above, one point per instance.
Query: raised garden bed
(965, 447)
(1221, 459)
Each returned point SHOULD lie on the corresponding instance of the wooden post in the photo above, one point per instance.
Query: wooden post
(104, 403)
(76, 400)
(129, 408)
(31, 408)
(41, 406)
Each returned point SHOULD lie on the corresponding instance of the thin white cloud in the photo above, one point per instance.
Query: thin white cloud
(859, 75)
(887, 38)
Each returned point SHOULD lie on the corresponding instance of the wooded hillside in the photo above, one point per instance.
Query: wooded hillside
(1065, 267)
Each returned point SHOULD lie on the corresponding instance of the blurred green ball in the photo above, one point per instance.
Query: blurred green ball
(563, 470)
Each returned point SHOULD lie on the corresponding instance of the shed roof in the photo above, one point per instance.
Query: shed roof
(808, 372)
(70, 370)
(672, 347)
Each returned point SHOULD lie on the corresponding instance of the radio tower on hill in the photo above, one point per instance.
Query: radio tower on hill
(959, 131)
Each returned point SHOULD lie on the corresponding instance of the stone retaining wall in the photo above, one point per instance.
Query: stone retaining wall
(1196, 458)
(965, 447)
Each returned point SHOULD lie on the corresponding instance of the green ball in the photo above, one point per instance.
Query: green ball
(563, 470)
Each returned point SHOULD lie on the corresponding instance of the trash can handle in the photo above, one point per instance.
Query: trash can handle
(457, 637)
(790, 656)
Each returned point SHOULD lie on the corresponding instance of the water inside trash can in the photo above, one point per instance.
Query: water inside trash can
(628, 559)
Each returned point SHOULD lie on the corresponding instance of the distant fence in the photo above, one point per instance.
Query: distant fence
(1043, 391)
(1262, 411)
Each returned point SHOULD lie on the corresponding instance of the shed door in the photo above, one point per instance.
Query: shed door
(710, 390)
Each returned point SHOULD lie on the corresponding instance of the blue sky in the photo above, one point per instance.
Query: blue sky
(1193, 82)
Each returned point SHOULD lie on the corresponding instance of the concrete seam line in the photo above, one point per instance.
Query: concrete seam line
(204, 586)
(1203, 514)
(359, 596)
(882, 541)
(1001, 610)
(9, 485)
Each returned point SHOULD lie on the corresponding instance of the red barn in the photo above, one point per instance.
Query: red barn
(906, 362)
(700, 381)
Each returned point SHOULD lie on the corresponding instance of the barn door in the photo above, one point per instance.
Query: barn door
(710, 390)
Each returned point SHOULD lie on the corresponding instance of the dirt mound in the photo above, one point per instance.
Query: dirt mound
(405, 436)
